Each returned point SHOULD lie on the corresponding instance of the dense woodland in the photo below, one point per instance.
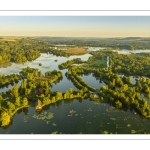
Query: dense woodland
(34, 85)
(23, 49)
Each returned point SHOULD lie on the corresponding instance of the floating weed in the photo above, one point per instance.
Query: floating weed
(112, 118)
(105, 132)
(25, 119)
(34, 116)
(128, 125)
(94, 116)
(54, 124)
(44, 113)
(54, 132)
(72, 111)
(50, 115)
(90, 109)
(125, 119)
(47, 122)
(76, 114)
(133, 131)
(45, 116)
(88, 122)
(118, 126)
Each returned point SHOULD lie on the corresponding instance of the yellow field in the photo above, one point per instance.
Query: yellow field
(76, 50)
(9, 39)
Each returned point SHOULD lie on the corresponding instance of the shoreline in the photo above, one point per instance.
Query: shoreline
(5, 65)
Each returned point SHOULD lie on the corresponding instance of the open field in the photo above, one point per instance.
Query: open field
(9, 39)
(97, 63)
(76, 50)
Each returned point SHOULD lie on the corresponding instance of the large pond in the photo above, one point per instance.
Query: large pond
(95, 48)
(124, 51)
(78, 116)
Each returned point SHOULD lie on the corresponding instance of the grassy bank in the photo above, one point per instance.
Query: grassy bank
(76, 50)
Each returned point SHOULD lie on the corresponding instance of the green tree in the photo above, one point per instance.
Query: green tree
(11, 106)
(17, 101)
(1, 98)
(5, 118)
(25, 101)
(15, 91)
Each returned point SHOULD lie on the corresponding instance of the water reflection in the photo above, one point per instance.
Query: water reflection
(92, 81)
(96, 48)
(26, 111)
(124, 51)
(47, 61)
(19, 111)
(47, 107)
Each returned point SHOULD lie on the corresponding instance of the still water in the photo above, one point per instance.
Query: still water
(72, 116)
(124, 51)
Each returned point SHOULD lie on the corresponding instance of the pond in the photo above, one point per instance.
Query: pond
(77, 116)
(91, 80)
(125, 51)
(95, 48)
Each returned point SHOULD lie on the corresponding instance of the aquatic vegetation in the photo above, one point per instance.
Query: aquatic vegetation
(128, 125)
(118, 126)
(54, 132)
(105, 132)
(47, 122)
(25, 119)
(54, 124)
(133, 131)
(90, 109)
(112, 118)
(72, 111)
(45, 116)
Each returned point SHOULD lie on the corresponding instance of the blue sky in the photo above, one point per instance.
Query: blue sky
(75, 26)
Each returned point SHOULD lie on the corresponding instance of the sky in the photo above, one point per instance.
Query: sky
(75, 26)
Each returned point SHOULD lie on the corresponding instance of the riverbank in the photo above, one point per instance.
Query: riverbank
(5, 65)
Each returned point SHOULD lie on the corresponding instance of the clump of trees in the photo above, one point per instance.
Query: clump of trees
(18, 97)
(133, 64)
(68, 63)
